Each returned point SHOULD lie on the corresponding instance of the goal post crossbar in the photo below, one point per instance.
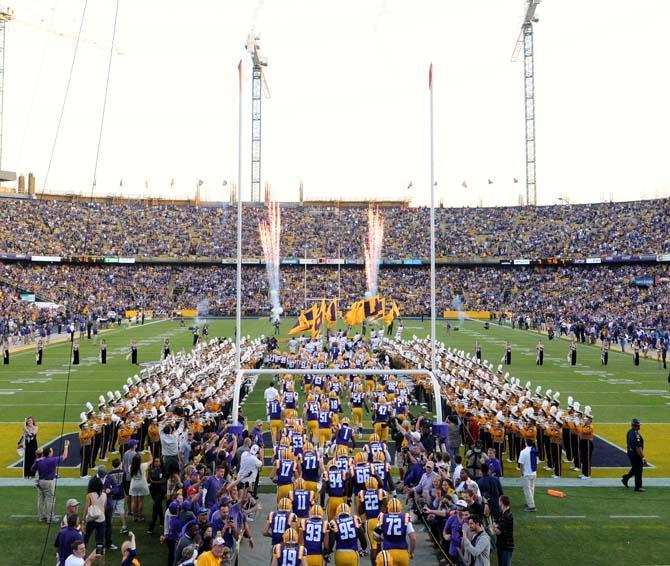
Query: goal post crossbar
(285, 371)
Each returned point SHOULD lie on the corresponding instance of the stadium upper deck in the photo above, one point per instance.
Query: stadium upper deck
(53, 227)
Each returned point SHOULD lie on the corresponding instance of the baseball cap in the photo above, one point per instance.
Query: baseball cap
(635, 422)
(71, 503)
(133, 442)
(462, 504)
(430, 464)
(218, 541)
(203, 511)
(254, 449)
(102, 470)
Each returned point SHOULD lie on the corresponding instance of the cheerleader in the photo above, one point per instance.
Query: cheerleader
(636, 352)
(75, 354)
(573, 352)
(5, 353)
(478, 351)
(166, 348)
(604, 352)
(28, 443)
(39, 352)
(103, 352)
(133, 352)
(539, 358)
(508, 354)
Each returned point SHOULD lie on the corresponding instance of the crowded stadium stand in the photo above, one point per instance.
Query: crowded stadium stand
(602, 265)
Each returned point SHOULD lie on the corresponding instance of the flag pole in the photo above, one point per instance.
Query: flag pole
(432, 228)
(238, 319)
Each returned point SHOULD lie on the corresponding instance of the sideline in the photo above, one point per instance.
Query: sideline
(564, 338)
(64, 337)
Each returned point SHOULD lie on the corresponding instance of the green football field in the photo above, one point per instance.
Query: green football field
(589, 525)
(616, 393)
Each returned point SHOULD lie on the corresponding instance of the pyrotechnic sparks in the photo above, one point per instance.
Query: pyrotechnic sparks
(270, 232)
(373, 248)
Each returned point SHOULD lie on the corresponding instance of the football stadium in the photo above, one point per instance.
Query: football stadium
(252, 367)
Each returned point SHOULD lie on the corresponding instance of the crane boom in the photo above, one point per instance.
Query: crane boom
(67, 36)
(528, 19)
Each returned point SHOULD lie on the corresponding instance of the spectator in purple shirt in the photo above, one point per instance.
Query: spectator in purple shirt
(66, 536)
(46, 468)
(213, 484)
(256, 434)
(495, 466)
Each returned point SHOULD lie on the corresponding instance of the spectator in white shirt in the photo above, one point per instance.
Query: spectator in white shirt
(270, 393)
(250, 464)
(528, 464)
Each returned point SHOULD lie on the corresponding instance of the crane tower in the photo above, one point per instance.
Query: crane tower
(525, 42)
(259, 89)
(6, 15)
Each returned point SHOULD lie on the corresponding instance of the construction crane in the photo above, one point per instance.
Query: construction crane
(6, 15)
(259, 89)
(525, 42)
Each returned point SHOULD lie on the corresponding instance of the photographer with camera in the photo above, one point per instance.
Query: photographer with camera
(474, 459)
(415, 471)
(453, 438)
(425, 427)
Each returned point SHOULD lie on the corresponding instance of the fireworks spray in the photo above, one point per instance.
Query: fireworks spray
(373, 249)
(270, 233)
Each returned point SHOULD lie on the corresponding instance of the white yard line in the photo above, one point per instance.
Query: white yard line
(560, 516)
(635, 517)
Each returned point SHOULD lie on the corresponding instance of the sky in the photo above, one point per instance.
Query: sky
(349, 106)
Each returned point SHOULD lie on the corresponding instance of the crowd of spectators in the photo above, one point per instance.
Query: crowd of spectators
(179, 411)
(595, 296)
(73, 228)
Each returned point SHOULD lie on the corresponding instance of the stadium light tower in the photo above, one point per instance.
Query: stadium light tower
(525, 42)
(6, 15)
(259, 88)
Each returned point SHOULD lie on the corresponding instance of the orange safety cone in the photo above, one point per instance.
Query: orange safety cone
(555, 493)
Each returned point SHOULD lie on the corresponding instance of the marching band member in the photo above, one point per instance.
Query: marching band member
(586, 435)
(539, 358)
(86, 435)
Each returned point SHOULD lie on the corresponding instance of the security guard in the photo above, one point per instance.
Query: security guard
(635, 449)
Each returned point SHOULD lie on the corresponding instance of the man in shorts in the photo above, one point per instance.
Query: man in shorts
(118, 492)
